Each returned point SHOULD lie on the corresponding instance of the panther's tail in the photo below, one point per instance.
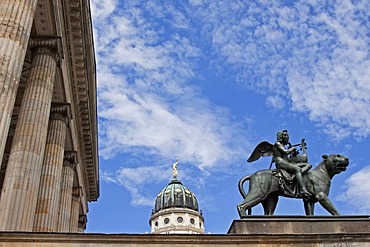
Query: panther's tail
(240, 185)
(242, 191)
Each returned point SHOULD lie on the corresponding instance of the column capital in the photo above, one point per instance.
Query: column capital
(70, 159)
(60, 111)
(49, 45)
(76, 198)
(82, 220)
(77, 191)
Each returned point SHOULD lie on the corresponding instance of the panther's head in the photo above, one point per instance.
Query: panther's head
(335, 163)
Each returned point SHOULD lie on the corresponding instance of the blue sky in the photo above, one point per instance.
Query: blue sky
(205, 81)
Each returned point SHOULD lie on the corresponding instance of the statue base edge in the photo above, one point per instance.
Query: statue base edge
(301, 225)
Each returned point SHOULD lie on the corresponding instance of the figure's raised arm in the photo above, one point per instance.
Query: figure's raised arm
(282, 149)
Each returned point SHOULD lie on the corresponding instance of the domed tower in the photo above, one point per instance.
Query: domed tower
(176, 210)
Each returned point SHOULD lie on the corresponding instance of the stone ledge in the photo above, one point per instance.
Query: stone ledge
(24, 239)
(300, 225)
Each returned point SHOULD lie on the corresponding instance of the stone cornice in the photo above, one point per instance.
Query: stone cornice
(176, 210)
(81, 50)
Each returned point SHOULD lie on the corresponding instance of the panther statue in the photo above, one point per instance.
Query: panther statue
(264, 187)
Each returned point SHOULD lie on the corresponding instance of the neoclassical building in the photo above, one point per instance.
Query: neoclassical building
(48, 121)
(48, 149)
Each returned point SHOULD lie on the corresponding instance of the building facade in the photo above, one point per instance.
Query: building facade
(48, 120)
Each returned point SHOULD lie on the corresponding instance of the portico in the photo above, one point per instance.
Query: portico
(48, 122)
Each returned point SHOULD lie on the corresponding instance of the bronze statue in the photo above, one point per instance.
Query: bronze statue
(299, 182)
(284, 160)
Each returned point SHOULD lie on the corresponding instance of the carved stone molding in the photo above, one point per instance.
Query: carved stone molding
(77, 191)
(60, 111)
(44, 18)
(70, 159)
(82, 220)
(51, 46)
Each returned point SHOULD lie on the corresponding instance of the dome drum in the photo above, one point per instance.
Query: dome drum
(177, 220)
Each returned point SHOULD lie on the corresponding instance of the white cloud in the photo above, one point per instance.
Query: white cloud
(314, 55)
(192, 132)
(146, 102)
(337, 89)
(357, 194)
(103, 8)
(303, 55)
(134, 179)
(275, 102)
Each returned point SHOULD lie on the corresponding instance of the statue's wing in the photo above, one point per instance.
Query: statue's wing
(263, 149)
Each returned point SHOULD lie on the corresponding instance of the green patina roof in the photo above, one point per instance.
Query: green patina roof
(175, 195)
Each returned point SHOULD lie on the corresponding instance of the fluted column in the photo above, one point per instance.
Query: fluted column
(65, 204)
(50, 181)
(82, 220)
(75, 210)
(16, 17)
(22, 178)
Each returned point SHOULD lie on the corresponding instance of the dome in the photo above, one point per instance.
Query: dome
(176, 210)
(175, 195)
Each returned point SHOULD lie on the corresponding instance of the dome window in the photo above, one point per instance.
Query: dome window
(180, 219)
(166, 221)
(189, 199)
(167, 198)
(192, 221)
(179, 200)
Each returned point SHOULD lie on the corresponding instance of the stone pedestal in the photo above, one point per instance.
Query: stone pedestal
(277, 225)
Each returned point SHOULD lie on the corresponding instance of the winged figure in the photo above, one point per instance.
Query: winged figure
(263, 149)
(286, 158)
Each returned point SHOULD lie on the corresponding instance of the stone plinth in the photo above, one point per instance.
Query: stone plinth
(301, 225)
